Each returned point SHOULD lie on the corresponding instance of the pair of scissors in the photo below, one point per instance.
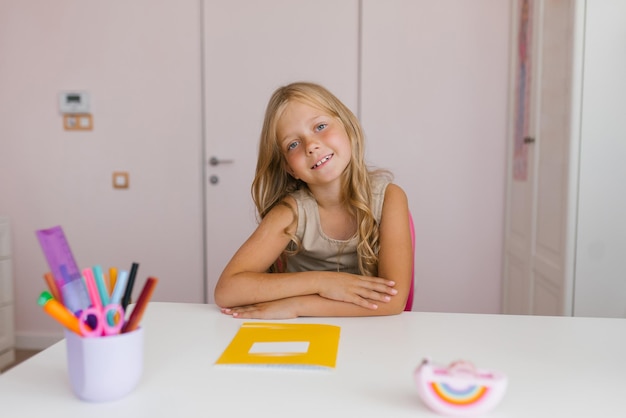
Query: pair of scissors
(98, 320)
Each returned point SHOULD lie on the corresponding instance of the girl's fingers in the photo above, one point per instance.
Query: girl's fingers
(381, 288)
(365, 304)
(377, 296)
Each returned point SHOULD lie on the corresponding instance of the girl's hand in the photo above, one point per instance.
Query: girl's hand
(277, 309)
(362, 291)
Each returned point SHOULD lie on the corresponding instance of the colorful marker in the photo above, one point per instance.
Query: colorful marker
(116, 296)
(101, 285)
(120, 286)
(52, 286)
(112, 279)
(141, 305)
(92, 289)
(129, 286)
(56, 310)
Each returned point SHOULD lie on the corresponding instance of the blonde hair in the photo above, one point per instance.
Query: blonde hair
(272, 183)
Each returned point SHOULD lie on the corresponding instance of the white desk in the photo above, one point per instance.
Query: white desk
(557, 367)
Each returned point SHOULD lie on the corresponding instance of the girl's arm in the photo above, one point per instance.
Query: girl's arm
(395, 257)
(245, 280)
(395, 265)
(309, 305)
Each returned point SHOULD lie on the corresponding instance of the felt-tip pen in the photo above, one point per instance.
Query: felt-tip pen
(92, 289)
(120, 286)
(116, 296)
(112, 279)
(101, 284)
(52, 285)
(58, 311)
(140, 306)
(129, 286)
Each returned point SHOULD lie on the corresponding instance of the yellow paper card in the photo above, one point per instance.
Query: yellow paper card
(283, 344)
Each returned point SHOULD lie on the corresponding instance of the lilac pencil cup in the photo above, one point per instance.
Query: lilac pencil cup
(107, 368)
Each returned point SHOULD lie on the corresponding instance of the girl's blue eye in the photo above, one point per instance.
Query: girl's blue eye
(292, 145)
(321, 126)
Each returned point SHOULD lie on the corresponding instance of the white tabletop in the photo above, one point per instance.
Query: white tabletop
(557, 367)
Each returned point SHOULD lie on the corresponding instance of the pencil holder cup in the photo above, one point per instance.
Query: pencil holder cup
(104, 368)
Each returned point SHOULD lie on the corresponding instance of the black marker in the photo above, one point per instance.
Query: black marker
(129, 286)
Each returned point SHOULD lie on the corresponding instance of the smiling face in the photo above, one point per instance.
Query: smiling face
(315, 144)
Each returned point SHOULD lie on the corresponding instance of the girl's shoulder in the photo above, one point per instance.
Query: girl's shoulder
(395, 199)
(395, 192)
(282, 214)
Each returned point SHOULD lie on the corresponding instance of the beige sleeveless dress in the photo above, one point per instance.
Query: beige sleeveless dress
(318, 252)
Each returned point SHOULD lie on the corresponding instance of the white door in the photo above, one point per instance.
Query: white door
(250, 49)
(538, 255)
(521, 176)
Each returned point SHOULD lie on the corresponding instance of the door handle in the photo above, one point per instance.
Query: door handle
(529, 140)
(216, 161)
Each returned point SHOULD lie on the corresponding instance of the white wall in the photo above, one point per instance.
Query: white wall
(600, 282)
(140, 61)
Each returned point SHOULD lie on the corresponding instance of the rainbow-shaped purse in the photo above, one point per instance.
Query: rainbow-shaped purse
(459, 389)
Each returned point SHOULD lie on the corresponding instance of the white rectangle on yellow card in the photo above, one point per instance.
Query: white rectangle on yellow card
(282, 347)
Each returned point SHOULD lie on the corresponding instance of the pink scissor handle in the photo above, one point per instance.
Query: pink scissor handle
(102, 325)
(85, 329)
(110, 313)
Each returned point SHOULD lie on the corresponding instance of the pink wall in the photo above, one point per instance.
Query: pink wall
(434, 108)
(140, 61)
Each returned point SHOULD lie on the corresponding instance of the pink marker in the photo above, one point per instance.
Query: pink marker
(92, 289)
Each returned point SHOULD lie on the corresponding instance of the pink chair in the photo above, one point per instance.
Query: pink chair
(409, 301)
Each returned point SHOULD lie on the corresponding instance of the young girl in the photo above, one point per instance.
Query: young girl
(334, 237)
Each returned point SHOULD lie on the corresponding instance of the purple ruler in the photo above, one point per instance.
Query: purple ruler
(64, 268)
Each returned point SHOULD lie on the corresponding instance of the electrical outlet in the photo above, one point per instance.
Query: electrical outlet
(120, 180)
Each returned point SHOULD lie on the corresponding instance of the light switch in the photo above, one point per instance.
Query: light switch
(77, 122)
(120, 180)
(84, 121)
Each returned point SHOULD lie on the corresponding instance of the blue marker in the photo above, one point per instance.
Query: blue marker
(102, 288)
(120, 285)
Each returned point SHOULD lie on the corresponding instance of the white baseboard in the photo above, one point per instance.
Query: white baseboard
(36, 341)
